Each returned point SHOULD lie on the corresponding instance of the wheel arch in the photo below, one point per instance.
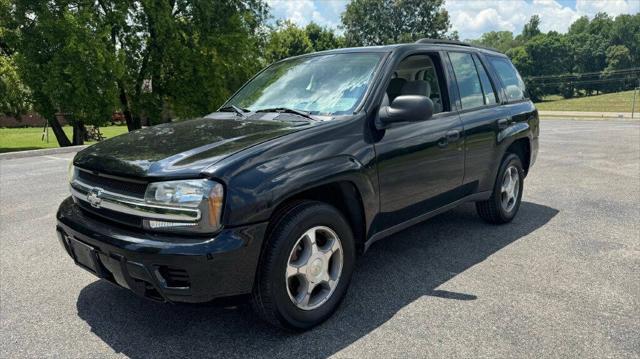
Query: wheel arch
(516, 139)
(344, 195)
(522, 148)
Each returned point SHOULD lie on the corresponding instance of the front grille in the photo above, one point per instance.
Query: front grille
(118, 217)
(122, 186)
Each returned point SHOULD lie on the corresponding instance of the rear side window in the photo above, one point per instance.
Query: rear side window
(513, 84)
(468, 80)
(487, 88)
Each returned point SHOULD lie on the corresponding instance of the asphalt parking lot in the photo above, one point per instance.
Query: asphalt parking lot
(562, 280)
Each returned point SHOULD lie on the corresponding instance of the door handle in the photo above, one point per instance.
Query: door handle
(503, 123)
(449, 137)
(453, 136)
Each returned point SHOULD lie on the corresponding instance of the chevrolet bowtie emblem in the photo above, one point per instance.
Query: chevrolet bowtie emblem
(94, 197)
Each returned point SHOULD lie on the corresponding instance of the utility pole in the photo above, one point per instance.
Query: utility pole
(633, 105)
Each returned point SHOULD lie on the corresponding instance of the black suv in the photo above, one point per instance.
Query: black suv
(309, 163)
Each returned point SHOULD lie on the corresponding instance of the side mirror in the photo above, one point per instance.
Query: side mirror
(405, 108)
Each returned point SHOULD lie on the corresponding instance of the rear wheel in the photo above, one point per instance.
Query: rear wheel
(504, 202)
(305, 268)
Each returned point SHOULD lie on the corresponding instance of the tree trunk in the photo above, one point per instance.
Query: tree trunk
(132, 123)
(78, 132)
(61, 137)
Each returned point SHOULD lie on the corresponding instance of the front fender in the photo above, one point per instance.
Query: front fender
(250, 204)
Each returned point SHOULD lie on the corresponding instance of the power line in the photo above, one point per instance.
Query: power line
(627, 70)
(584, 82)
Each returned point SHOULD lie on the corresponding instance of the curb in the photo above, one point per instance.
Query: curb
(576, 118)
(588, 114)
(43, 152)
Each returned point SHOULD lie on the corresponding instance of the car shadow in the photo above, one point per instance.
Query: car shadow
(426, 256)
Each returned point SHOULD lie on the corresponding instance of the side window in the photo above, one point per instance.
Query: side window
(420, 75)
(488, 90)
(468, 80)
(513, 84)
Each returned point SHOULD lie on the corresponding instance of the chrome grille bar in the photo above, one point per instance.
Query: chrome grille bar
(132, 205)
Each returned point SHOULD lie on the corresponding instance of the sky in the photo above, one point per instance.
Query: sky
(471, 18)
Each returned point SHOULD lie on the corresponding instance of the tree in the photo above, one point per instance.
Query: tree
(379, 22)
(579, 26)
(152, 59)
(60, 57)
(553, 46)
(323, 38)
(14, 94)
(182, 57)
(287, 40)
(585, 59)
(618, 58)
(625, 31)
(531, 29)
(499, 40)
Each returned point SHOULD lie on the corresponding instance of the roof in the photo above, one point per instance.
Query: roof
(422, 43)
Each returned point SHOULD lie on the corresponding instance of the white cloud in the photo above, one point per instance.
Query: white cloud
(473, 18)
(302, 12)
(611, 7)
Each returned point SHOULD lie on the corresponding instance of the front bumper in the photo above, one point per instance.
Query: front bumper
(162, 267)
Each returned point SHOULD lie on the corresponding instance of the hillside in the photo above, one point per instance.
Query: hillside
(611, 102)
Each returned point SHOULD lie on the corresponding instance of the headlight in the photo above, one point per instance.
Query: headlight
(71, 172)
(203, 194)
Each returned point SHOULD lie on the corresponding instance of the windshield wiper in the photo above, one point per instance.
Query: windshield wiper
(231, 108)
(287, 110)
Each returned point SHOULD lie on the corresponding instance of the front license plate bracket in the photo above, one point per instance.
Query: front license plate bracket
(86, 257)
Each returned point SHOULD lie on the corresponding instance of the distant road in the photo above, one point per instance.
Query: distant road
(572, 114)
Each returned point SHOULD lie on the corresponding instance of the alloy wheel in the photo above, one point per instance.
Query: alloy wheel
(510, 188)
(314, 267)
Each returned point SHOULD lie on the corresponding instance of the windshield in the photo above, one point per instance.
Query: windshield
(321, 85)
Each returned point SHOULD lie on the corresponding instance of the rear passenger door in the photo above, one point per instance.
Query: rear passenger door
(480, 113)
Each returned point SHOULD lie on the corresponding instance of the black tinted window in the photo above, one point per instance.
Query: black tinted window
(467, 78)
(487, 88)
(513, 84)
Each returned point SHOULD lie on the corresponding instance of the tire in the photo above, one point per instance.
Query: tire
(280, 297)
(496, 210)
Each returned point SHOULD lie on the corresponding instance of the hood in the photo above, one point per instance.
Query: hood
(184, 148)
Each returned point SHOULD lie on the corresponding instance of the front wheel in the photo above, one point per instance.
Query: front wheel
(305, 268)
(504, 202)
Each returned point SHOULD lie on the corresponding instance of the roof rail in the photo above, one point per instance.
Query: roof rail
(454, 42)
(440, 41)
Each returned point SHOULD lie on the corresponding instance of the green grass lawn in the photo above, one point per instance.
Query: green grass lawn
(611, 102)
(21, 139)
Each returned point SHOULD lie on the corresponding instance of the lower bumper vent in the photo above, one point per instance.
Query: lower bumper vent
(174, 277)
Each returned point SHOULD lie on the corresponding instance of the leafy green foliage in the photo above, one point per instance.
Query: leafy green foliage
(59, 56)
(499, 40)
(286, 41)
(150, 59)
(593, 56)
(323, 38)
(14, 95)
(155, 60)
(380, 22)
(532, 28)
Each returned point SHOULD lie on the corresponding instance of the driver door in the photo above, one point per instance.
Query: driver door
(420, 164)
